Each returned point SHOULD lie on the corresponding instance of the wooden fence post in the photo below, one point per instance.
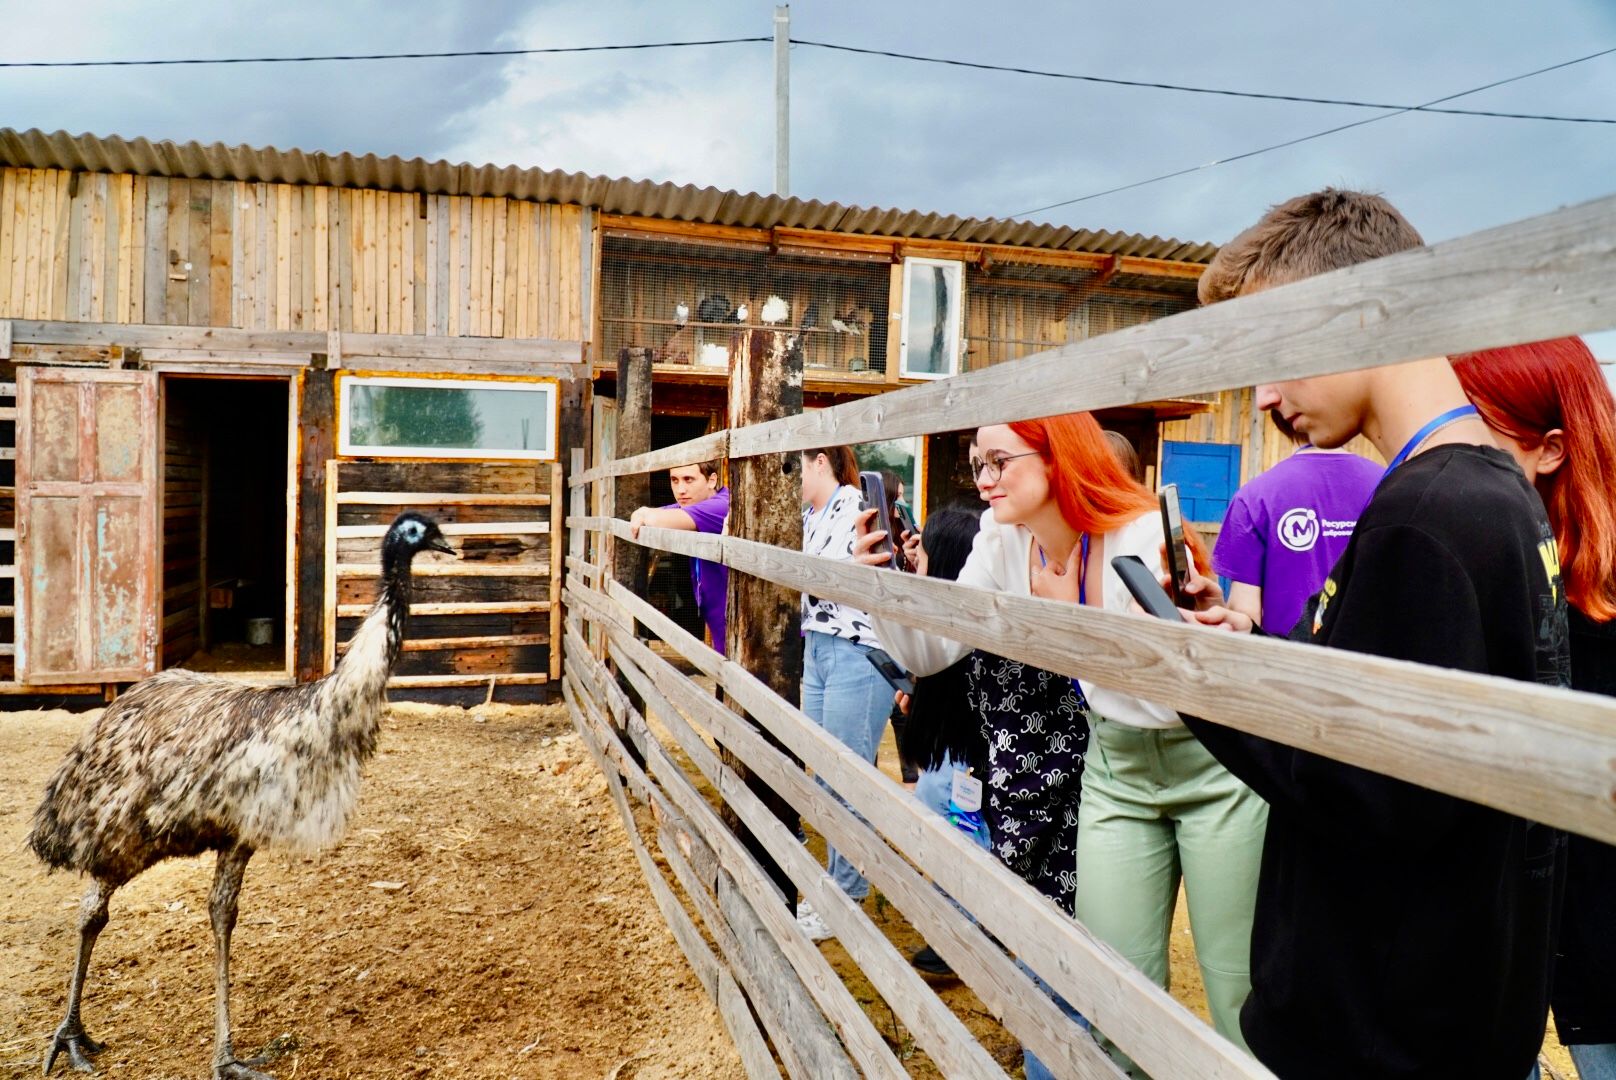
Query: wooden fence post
(764, 620)
(633, 437)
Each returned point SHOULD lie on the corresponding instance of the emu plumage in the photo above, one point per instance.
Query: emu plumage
(184, 763)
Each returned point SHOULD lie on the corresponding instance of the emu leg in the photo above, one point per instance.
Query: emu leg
(222, 911)
(71, 1036)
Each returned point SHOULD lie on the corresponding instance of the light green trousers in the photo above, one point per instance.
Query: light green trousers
(1158, 808)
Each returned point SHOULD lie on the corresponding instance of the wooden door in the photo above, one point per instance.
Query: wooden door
(86, 525)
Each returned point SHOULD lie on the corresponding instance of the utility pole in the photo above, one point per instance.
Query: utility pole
(782, 100)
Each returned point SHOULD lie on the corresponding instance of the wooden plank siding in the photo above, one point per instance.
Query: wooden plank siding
(259, 256)
(1230, 421)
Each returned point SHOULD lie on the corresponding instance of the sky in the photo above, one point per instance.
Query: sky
(878, 131)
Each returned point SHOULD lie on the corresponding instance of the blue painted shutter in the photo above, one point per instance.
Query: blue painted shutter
(1207, 475)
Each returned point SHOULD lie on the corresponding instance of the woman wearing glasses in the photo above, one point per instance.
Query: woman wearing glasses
(1156, 807)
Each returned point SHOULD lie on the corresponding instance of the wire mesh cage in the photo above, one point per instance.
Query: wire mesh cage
(685, 299)
(1016, 309)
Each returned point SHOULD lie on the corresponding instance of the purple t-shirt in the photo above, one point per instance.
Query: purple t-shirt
(1285, 530)
(710, 580)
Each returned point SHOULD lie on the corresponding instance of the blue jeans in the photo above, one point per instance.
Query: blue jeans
(1035, 1069)
(844, 694)
(1594, 1061)
(936, 786)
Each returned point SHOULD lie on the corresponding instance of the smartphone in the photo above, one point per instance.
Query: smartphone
(1177, 559)
(874, 490)
(1144, 587)
(891, 672)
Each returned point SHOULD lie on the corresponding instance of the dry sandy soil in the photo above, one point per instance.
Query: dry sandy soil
(484, 918)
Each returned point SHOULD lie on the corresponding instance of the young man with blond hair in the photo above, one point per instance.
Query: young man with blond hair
(699, 505)
(1399, 932)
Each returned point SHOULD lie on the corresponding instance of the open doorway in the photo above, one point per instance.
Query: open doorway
(226, 466)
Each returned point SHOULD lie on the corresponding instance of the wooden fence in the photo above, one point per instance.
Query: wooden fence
(668, 743)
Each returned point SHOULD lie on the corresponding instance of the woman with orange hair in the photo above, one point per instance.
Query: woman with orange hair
(1550, 408)
(1156, 808)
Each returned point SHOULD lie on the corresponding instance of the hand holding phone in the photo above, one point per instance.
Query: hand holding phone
(890, 671)
(1177, 565)
(874, 490)
(1144, 587)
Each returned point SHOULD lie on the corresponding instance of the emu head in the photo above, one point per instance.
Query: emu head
(412, 532)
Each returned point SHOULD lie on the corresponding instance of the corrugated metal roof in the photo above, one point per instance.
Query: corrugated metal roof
(36, 149)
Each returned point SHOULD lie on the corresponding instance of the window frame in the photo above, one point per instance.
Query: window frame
(956, 327)
(549, 388)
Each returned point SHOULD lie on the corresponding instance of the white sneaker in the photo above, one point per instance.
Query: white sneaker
(810, 922)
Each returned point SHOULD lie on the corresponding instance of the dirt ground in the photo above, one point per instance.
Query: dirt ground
(485, 917)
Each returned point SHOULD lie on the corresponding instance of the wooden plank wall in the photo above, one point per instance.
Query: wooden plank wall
(1230, 422)
(184, 515)
(488, 615)
(134, 249)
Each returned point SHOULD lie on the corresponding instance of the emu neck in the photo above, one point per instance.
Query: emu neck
(394, 601)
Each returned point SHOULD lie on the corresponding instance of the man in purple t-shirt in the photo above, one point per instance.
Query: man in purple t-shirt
(700, 505)
(1286, 528)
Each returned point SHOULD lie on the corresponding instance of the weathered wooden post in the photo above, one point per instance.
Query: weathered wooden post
(764, 631)
(633, 437)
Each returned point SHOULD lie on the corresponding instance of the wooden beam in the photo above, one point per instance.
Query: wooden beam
(5, 339)
(453, 528)
(1160, 1034)
(470, 607)
(441, 498)
(1544, 754)
(316, 438)
(632, 490)
(391, 347)
(498, 678)
(431, 644)
(1008, 992)
(704, 448)
(455, 569)
(763, 620)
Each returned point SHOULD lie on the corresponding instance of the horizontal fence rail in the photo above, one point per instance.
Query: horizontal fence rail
(684, 748)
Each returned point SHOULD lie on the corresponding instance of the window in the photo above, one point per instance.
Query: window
(383, 416)
(931, 318)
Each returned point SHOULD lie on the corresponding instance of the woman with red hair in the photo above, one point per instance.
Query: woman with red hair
(1156, 808)
(1549, 406)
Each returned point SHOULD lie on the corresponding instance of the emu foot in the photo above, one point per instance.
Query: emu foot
(79, 1046)
(239, 1070)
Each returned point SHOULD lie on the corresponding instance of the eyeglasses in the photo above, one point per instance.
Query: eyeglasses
(994, 466)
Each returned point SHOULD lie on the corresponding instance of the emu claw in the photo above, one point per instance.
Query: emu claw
(80, 1048)
(239, 1070)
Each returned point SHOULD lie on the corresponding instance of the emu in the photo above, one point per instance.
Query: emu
(185, 763)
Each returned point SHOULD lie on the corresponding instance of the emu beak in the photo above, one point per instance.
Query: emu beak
(438, 543)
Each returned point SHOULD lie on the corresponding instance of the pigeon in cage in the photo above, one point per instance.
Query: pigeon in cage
(775, 310)
(810, 315)
(850, 323)
(714, 308)
(742, 313)
(681, 313)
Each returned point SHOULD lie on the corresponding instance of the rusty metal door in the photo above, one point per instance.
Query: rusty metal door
(86, 525)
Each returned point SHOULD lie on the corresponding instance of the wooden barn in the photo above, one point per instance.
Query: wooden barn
(225, 368)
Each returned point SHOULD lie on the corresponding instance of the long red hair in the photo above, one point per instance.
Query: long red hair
(1526, 391)
(1095, 493)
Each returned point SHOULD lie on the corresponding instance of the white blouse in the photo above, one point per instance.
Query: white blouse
(829, 533)
(999, 561)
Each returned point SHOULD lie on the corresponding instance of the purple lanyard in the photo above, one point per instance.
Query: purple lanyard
(1082, 598)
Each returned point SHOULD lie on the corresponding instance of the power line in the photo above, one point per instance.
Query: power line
(375, 56)
(1315, 135)
(1181, 88)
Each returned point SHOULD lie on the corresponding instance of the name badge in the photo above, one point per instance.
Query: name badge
(967, 793)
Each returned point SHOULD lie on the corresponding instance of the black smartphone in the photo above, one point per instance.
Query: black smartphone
(1177, 559)
(1144, 587)
(890, 671)
(874, 490)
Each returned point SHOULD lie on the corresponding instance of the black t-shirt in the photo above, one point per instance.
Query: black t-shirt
(1400, 932)
(1584, 987)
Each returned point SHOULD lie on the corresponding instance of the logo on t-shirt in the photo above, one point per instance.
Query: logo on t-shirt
(1299, 529)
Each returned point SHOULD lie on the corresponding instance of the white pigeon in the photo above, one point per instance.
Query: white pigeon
(775, 310)
(681, 313)
(743, 313)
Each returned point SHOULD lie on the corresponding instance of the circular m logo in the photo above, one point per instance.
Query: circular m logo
(1299, 529)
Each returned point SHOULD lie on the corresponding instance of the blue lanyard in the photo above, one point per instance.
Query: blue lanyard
(695, 572)
(1426, 432)
(1082, 598)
